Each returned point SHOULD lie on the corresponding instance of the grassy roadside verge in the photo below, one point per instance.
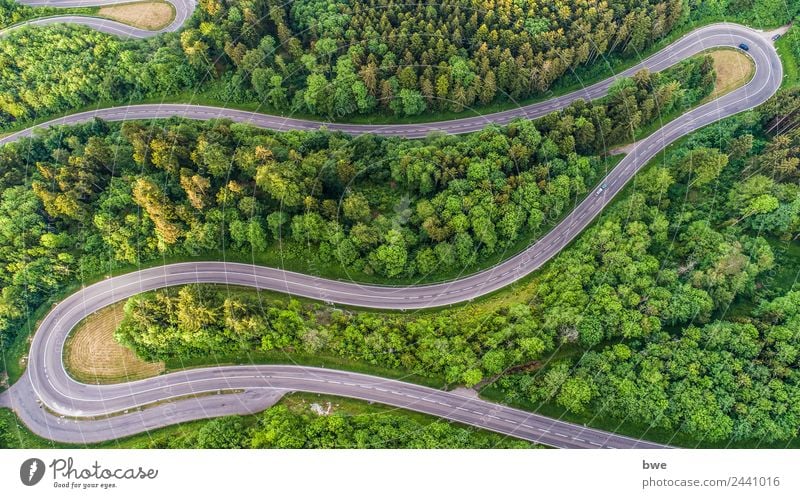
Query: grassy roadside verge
(788, 47)
(92, 356)
(151, 15)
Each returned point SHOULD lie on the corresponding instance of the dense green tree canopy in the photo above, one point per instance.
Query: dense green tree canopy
(12, 12)
(332, 59)
(292, 424)
(718, 359)
(82, 200)
(340, 58)
(681, 302)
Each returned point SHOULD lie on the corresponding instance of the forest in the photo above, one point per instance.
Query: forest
(338, 59)
(680, 304)
(460, 346)
(678, 307)
(329, 58)
(11, 13)
(757, 13)
(46, 70)
(79, 202)
(341, 58)
(287, 428)
(724, 368)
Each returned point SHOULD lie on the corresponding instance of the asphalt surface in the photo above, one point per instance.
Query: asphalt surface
(46, 383)
(183, 9)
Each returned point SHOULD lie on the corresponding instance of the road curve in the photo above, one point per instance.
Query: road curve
(711, 36)
(183, 9)
(47, 383)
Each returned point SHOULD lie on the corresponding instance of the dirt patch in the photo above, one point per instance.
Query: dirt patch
(93, 356)
(622, 149)
(322, 410)
(733, 69)
(466, 392)
(145, 15)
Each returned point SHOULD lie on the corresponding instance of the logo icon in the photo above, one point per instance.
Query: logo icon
(31, 471)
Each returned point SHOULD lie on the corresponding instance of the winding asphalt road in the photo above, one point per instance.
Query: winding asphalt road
(183, 9)
(763, 84)
(57, 407)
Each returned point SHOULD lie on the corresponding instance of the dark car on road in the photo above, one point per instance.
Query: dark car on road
(744, 47)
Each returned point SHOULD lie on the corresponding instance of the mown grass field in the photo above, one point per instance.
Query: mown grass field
(733, 69)
(91, 354)
(144, 15)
